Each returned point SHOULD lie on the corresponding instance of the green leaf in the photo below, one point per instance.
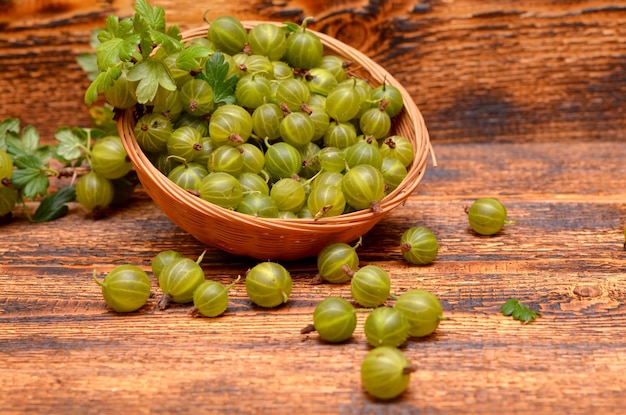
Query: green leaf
(54, 205)
(8, 126)
(170, 41)
(216, 74)
(150, 73)
(89, 64)
(103, 81)
(189, 58)
(518, 311)
(29, 177)
(70, 144)
(118, 43)
(30, 138)
(153, 16)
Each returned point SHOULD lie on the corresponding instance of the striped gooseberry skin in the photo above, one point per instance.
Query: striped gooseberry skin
(326, 201)
(221, 189)
(178, 280)
(197, 97)
(188, 120)
(289, 194)
(94, 191)
(152, 132)
(109, 158)
(122, 94)
(269, 40)
(304, 49)
(252, 90)
(266, 121)
(231, 125)
(268, 284)
(343, 103)
(320, 119)
(259, 205)
(8, 199)
(327, 178)
(332, 159)
(185, 142)
(487, 216)
(253, 158)
(259, 65)
(125, 288)
(375, 122)
(385, 372)
(370, 286)
(297, 129)
(282, 160)
(386, 326)
(419, 245)
(398, 147)
(226, 159)
(334, 319)
(188, 175)
(333, 260)
(392, 96)
(228, 34)
(363, 186)
(321, 81)
(423, 311)
(253, 183)
(340, 135)
(161, 259)
(364, 152)
(291, 93)
(211, 298)
(394, 173)
(335, 65)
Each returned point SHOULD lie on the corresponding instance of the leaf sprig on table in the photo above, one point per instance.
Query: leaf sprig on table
(33, 160)
(512, 307)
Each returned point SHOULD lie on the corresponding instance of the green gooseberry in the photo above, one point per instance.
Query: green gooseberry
(386, 372)
(210, 298)
(268, 284)
(334, 319)
(419, 245)
(125, 288)
(178, 280)
(386, 326)
(423, 310)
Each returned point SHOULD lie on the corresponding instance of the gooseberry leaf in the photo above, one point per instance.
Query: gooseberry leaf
(170, 41)
(101, 83)
(29, 177)
(70, 143)
(150, 73)
(512, 307)
(118, 43)
(216, 74)
(8, 126)
(54, 205)
(189, 58)
(153, 16)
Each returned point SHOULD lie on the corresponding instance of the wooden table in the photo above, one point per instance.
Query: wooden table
(62, 351)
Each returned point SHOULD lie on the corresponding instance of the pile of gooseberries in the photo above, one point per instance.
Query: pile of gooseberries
(295, 113)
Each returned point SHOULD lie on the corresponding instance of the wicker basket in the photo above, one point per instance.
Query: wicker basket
(280, 239)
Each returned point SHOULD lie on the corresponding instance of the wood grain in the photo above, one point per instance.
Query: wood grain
(63, 351)
(479, 71)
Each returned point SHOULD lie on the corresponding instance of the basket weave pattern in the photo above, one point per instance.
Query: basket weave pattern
(281, 239)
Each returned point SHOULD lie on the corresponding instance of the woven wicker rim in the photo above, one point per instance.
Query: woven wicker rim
(412, 121)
